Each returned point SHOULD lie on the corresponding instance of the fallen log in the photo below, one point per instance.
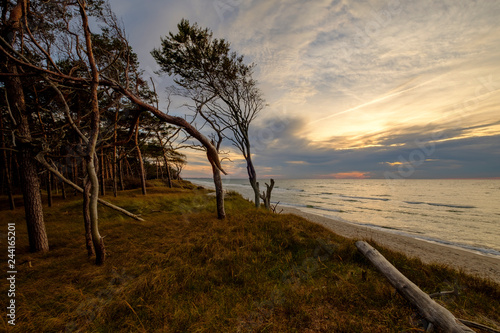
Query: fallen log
(433, 312)
(46, 164)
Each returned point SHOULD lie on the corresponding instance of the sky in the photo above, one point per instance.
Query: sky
(354, 89)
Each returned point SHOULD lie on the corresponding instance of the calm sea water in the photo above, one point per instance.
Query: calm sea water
(461, 213)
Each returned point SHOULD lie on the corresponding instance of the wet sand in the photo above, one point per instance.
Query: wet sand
(470, 262)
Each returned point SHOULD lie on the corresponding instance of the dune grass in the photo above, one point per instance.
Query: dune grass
(183, 270)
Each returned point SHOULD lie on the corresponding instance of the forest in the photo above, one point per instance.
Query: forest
(80, 116)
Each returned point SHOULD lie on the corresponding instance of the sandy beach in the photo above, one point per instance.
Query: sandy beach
(470, 262)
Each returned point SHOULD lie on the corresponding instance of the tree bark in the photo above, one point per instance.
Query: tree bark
(30, 184)
(115, 180)
(128, 168)
(252, 176)
(165, 159)
(219, 193)
(142, 173)
(7, 169)
(102, 173)
(49, 188)
(433, 312)
(86, 218)
(120, 174)
(167, 168)
(75, 173)
(63, 185)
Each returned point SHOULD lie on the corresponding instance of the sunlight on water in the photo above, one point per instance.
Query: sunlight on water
(462, 213)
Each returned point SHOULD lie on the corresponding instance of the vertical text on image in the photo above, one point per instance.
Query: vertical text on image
(11, 272)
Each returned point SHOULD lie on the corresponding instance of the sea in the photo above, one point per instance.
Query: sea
(463, 213)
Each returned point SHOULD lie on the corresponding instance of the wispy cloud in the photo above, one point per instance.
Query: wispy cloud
(355, 83)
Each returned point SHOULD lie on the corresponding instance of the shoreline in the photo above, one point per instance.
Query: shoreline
(472, 263)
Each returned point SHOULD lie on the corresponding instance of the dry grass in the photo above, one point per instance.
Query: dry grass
(185, 271)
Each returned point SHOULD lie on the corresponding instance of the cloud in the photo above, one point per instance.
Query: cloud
(355, 86)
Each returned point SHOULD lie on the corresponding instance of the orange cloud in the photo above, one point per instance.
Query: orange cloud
(348, 175)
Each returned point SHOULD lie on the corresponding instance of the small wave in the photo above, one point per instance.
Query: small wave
(439, 204)
(374, 226)
(366, 208)
(366, 198)
(312, 207)
(284, 189)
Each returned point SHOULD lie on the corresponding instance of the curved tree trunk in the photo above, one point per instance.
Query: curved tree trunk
(97, 240)
(91, 157)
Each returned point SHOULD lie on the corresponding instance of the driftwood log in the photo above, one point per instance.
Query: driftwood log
(433, 312)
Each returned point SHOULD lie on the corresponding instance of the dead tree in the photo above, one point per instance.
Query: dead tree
(433, 312)
(266, 196)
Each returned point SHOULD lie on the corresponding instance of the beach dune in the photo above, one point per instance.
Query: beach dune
(472, 263)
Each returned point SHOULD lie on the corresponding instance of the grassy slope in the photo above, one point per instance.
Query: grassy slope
(185, 271)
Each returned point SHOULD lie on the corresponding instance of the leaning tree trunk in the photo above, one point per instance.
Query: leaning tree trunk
(30, 184)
